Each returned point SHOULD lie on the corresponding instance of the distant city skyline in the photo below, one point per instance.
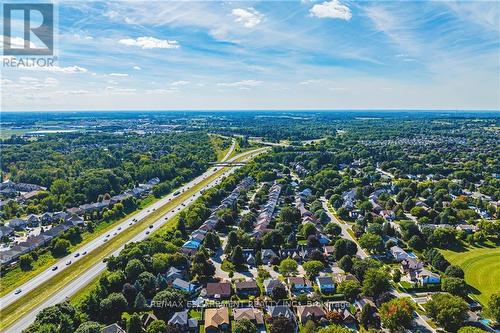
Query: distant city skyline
(268, 55)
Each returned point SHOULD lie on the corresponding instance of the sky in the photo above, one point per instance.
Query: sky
(227, 55)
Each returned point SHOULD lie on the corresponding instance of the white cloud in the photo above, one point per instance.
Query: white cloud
(331, 9)
(137, 68)
(248, 17)
(240, 84)
(309, 82)
(17, 42)
(150, 43)
(118, 74)
(56, 69)
(179, 83)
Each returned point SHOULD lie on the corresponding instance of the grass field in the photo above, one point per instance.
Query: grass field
(30, 300)
(482, 269)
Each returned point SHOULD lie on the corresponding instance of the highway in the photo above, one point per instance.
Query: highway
(87, 248)
(95, 270)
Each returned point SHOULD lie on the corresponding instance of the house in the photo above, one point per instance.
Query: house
(17, 223)
(46, 217)
(299, 284)
(173, 273)
(398, 253)
(249, 256)
(388, 215)
(306, 193)
(267, 255)
(246, 288)
(218, 290)
(425, 277)
(182, 321)
(251, 314)
(281, 310)
(270, 284)
(183, 285)
(290, 253)
(113, 328)
(325, 284)
(328, 250)
(33, 220)
(216, 320)
(410, 264)
(307, 312)
(6, 231)
(147, 319)
(339, 277)
(467, 228)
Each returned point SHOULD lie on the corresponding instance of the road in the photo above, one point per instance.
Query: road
(82, 280)
(345, 227)
(87, 248)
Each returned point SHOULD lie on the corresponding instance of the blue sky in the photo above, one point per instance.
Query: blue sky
(305, 54)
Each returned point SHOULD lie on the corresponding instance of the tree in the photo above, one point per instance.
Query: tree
(112, 307)
(129, 291)
(279, 292)
(281, 324)
(345, 263)
(350, 289)
(308, 229)
(133, 269)
(344, 247)
(367, 317)
(232, 241)
(89, 327)
(309, 327)
(201, 267)
(454, 271)
(372, 242)
(211, 241)
(397, 314)
(290, 215)
(334, 329)
(494, 307)
(470, 329)
(454, 286)
(237, 258)
(288, 266)
(375, 282)
(244, 326)
(134, 324)
(140, 301)
(157, 326)
(60, 247)
(447, 310)
(169, 301)
(333, 229)
(313, 268)
(25, 262)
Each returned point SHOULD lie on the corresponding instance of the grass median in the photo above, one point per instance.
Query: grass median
(35, 297)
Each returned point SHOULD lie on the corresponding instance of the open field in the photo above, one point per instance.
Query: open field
(482, 269)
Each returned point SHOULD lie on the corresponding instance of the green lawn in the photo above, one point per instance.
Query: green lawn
(481, 266)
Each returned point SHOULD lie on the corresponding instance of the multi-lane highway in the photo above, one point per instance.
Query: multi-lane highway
(84, 278)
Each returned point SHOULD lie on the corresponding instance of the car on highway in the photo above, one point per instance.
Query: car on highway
(119, 228)
(77, 255)
(147, 232)
(105, 239)
(130, 223)
(177, 192)
(84, 253)
(68, 263)
(54, 268)
(114, 234)
(18, 291)
(150, 226)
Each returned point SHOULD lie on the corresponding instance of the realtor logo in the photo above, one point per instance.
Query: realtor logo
(22, 44)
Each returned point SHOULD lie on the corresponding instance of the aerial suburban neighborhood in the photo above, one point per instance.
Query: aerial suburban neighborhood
(265, 235)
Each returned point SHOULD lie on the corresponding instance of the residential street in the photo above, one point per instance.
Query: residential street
(345, 234)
